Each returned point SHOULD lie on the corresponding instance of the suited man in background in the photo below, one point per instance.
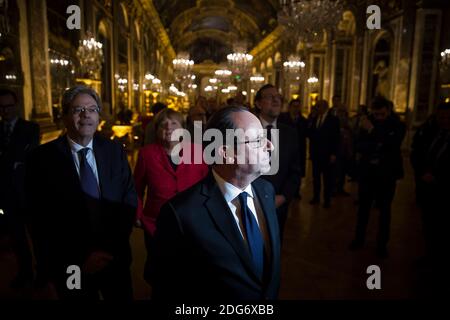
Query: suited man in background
(17, 138)
(81, 192)
(381, 165)
(286, 181)
(324, 143)
(430, 156)
(219, 240)
(295, 119)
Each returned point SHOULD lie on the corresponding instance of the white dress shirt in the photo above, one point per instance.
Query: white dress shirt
(264, 123)
(231, 193)
(74, 148)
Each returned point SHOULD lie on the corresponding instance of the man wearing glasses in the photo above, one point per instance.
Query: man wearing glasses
(219, 240)
(81, 194)
(286, 181)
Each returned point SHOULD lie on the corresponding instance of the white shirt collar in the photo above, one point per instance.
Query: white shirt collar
(75, 147)
(265, 123)
(229, 191)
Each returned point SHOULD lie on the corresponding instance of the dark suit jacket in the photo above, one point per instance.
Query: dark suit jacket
(66, 226)
(24, 138)
(200, 254)
(430, 154)
(301, 125)
(324, 141)
(381, 149)
(287, 179)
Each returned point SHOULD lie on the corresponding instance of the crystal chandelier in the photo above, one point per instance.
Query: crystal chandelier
(222, 73)
(307, 19)
(175, 91)
(313, 83)
(444, 66)
(152, 83)
(182, 67)
(256, 80)
(240, 61)
(90, 55)
(293, 66)
(445, 60)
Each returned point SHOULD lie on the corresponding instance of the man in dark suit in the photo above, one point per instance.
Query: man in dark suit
(17, 138)
(430, 157)
(295, 119)
(81, 193)
(219, 240)
(324, 143)
(381, 166)
(286, 181)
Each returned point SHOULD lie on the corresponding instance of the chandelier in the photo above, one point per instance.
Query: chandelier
(445, 60)
(175, 91)
(122, 84)
(90, 55)
(222, 73)
(152, 83)
(256, 80)
(444, 66)
(293, 66)
(182, 67)
(313, 83)
(240, 61)
(307, 19)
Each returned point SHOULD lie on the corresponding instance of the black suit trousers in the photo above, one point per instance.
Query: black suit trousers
(323, 169)
(380, 190)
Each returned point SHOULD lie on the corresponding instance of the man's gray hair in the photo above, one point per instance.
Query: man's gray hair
(71, 93)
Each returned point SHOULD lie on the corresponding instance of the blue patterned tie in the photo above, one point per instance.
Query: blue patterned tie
(87, 177)
(254, 237)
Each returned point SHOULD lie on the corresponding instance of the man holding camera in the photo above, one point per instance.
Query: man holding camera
(381, 166)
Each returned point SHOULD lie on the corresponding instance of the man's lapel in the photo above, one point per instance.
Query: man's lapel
(223, 218)
(103, 162)
(64, 148)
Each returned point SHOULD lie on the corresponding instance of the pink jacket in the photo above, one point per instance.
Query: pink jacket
(155, 174)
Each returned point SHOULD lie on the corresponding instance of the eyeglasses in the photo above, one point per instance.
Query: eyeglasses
(90, 110)
(273, 97)
(258, 143)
